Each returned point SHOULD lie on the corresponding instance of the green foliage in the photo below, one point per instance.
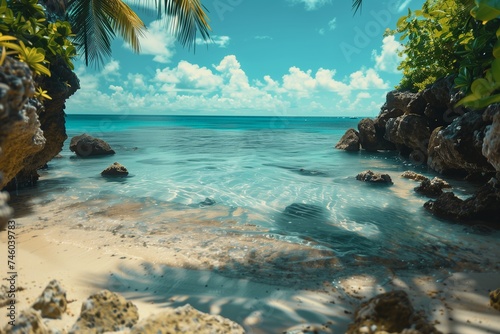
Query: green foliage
(433, 38)
(485, 86)
(26, 34)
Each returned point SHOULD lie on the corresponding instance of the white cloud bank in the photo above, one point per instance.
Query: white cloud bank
(388, 60)
(223, 88)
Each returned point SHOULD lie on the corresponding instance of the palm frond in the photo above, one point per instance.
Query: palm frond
(356, 5)
(96, 22)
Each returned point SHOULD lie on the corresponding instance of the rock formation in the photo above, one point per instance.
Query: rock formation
(116, 169)
(372, 177)
(87, 146)
(495, 299)
(413, 176)
(186, 319)
(106, 312)
(349, 141)
(32, 133)
(389, 312)
(52, 302)
(432, 188)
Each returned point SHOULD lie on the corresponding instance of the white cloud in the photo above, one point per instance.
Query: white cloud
(158, 42)
(263, 37)
(220, 41)
(403, 5)
(226, 88)
(388, 59)
(311, 4)
(367, 79)
(111, 69)
(332, 24)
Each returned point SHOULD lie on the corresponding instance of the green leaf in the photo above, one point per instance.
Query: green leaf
(495, 70)
(481, 88)
(486, 10)
(496, 49)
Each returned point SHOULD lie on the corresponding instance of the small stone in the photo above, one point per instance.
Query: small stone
(116, 169)
(207, 202)
(495, 299)
(369, 176)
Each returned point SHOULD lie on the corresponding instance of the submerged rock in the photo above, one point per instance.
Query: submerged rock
(495, 299)
(372, 177)
(483, 206)
(432, 188)
(186, 319)
(390, 312)
(86, 146)
(207, 202)
(52, 303)
(105, 312)
(116, 169)
(349, 141)
(306, 211)
(414, 176)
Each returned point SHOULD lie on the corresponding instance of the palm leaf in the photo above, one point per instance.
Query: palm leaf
(356, 5)
(185, 18)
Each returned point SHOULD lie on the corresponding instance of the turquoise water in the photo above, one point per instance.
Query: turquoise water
(254, 168)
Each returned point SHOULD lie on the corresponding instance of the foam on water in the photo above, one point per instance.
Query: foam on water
(278, 179)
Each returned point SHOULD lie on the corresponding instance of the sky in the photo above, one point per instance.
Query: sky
(266, 58)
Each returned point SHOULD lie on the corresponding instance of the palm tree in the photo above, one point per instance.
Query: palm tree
(96, 23)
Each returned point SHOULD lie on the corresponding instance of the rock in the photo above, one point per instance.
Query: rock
(20, 133)
(390, 312)
(105, 312)
(371, 139)
(413, 176)
(483, 206)
(432, 188)
(116, 169)
(52, 303)
(86, 146)
(5, 210)
(207, 202)
(409, 130)
(406, 102)
(28, 322)
(349, 141)
(459, 146)
(369, 176)
(491, 142)
(495, 299)
(186, 319)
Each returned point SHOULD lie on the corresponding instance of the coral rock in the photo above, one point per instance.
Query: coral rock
(390, 312)
(105, 312)
(369, 176)
(116, 169)
(495, 299)
(28, 322)
(186, 319)
(413, 176)
(349, 141)
(86, 146)
(52, 303)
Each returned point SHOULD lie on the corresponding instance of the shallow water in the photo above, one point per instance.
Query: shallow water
(285, 200)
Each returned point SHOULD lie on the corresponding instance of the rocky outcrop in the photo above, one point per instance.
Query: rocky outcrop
(20, 133)
(87, 146)
(186, 319)
(372, 177)
(52, 302)
(105, 312)
(391, 312)
(432, 188)
(413, 176)
(483, 206)
(349, 141)
(491, 141)
(38, 132)
(371, 138)
(116, 169)
(495, 299)
(459, 145)
(410, 131)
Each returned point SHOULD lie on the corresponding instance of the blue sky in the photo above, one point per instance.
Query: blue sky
(267, 57)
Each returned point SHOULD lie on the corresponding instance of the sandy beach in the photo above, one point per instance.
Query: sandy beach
(86, 261)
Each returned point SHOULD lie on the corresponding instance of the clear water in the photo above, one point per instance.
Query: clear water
(254, 168)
